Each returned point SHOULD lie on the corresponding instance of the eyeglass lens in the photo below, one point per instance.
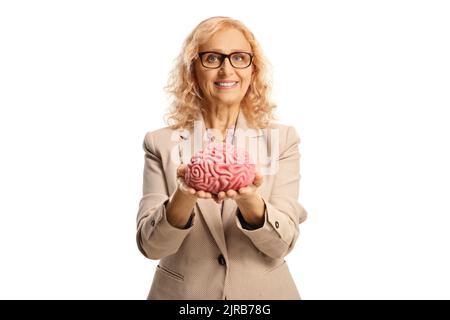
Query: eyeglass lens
(237, 60)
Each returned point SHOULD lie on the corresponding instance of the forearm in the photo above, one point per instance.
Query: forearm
(252, 210)
(277, 236)
(179, 208)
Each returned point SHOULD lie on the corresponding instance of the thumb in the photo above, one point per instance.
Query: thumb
(181, 170)
(258, 179)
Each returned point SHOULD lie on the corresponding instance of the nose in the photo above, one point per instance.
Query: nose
(226, 66)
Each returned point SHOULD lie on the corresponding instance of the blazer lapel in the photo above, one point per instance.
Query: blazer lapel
(194, 140)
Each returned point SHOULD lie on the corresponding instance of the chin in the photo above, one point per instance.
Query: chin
(227, 98)
(225, 101)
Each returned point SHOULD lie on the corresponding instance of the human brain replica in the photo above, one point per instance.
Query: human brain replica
(220, 167)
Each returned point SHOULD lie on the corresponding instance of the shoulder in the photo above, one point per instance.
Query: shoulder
(286, 134)
(162, 133)
(156, 140)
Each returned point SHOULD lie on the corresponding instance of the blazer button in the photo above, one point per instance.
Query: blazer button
(277, 224)
(152, 223)
(221, 260)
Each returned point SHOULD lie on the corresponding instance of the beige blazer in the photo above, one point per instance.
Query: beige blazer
(216, 257)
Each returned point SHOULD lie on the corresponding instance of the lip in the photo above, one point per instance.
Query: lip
(226, 81)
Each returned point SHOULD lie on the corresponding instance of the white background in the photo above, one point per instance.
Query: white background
(365, 83)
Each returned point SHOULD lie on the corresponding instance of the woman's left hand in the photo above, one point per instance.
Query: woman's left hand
(243, 193)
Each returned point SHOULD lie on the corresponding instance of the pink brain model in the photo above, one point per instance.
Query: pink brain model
(220, 167)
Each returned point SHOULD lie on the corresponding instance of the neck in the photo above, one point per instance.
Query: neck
(221, 117)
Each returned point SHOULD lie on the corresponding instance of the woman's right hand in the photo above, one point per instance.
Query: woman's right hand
(185, 189)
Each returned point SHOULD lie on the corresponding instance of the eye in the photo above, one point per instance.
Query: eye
(212, 57)
(238, 57)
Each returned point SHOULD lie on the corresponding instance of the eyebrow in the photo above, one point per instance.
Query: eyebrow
(232, 50)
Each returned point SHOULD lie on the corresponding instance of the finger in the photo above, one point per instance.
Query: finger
(258, 179)
(180, 181)
(185, 188)
(201, 194)
(181, 169)
(231, 194)
(244, 190)
(221, 195)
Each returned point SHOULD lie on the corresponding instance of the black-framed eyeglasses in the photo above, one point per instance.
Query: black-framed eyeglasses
(214, 60)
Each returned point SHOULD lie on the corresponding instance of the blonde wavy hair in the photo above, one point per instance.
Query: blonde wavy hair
(186, 100)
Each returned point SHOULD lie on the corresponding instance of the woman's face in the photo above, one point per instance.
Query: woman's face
(212, 81)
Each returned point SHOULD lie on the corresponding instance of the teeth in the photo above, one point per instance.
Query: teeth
(225, 84)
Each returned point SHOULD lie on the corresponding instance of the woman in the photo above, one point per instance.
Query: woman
(227, 245)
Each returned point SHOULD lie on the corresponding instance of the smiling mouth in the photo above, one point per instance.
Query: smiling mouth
(226, 85)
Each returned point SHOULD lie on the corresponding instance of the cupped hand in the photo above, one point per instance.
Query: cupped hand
(185, 189)
(242, 193)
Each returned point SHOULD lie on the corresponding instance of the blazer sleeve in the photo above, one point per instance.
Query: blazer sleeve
(156, 237)
(283, 213)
